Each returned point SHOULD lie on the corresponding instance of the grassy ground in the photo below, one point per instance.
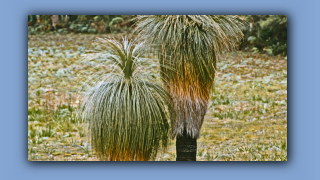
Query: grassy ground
(247, 119)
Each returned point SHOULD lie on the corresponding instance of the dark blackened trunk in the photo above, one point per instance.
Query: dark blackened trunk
(186, 147)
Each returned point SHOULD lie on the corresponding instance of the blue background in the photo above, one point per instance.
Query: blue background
(303, 85)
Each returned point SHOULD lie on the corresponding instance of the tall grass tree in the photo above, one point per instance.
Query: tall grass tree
(188, 48)
(127, 111)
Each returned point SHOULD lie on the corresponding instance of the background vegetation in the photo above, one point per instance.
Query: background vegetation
(264, 33)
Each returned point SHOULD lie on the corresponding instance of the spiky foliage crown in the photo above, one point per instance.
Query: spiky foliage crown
(190, 44)
(128, 115)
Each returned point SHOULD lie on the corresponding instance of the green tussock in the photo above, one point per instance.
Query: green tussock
(191, 45)
(127, 113)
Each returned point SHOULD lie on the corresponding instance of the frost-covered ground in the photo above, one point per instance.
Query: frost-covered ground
(247, 119)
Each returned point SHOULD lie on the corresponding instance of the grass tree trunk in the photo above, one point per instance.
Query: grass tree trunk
(186, 147)
(55, 21)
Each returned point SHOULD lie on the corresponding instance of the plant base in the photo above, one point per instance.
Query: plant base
(186, 147)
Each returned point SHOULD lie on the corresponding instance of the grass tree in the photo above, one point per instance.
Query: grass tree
(188, 48)
(127, 112)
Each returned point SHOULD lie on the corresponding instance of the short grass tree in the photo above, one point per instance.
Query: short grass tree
(128, 114)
